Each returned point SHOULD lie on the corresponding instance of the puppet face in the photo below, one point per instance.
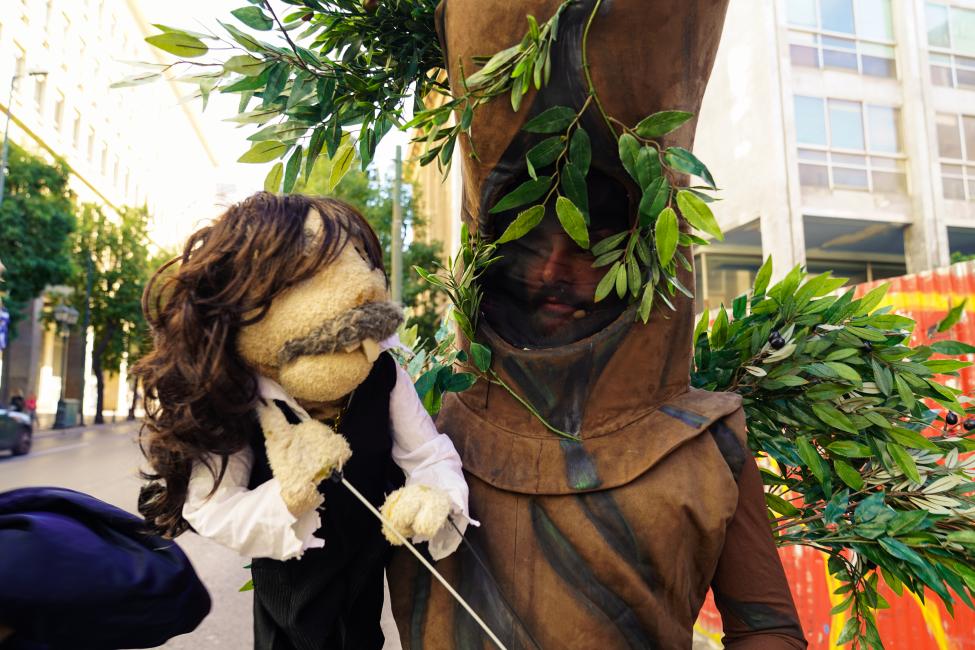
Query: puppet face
(320, 337)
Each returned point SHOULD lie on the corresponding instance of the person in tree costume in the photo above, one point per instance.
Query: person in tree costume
(611, 541)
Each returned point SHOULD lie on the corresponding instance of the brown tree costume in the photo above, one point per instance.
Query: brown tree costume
(612, 542)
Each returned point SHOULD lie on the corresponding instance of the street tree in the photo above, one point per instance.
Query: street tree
(115, 251)
(372, 195)
(36, 221)
(140, 340)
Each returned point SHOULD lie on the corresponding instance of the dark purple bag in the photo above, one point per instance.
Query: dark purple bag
(76, 572)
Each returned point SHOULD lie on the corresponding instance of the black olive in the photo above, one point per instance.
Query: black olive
(969, 424)
(776, 341)
(868, 346)
(951, 419)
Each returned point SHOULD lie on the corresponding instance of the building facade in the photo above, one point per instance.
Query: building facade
(843, 135)
(131, 146)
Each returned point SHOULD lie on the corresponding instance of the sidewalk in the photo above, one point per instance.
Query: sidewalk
(108, 427)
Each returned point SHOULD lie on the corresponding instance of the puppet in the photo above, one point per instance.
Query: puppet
(611, 540)
(271, 372)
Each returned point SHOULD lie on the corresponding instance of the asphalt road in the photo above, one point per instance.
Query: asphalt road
(104, 462)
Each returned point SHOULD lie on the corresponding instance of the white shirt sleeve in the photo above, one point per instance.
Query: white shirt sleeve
(428, 458)
(255, 523)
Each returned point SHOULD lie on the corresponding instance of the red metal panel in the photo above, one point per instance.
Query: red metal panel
(909, 624)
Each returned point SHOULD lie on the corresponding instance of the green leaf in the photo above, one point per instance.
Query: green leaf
(834, 417)
(272, 182)
(654, 200)
(908, 522)
(665, 235)
(459, 382)
(572, 221)
(245, 64)
(610, 243)
(553, 120)
(622, 280)
(291, 170)
(850, 630)
(900, 550)
(662, 123)
(178, 43)
(811, 458)
(941, 366)
(575, 188)
(136, 80)
(904, 460)
(698, 214)
(848, 474)
(844, 371)
(780, 505)
(247, 41)
(952, 348)
(850, 449)
(646, 302)
(481, 356)
(253, 17)
(905, 393)
(523, 223)
(580, 150)
(177, 30)
(527, 192)
(341, 164)
(966, 537)
(872, 299)
(545, 152)
(763, 277)
(912, 439)
(248, 586)
(647, 166)
(629, 148)
(263, 152)
(314, 150)
(683, 160)
(719, 331)
(954, 315)
(607, 283)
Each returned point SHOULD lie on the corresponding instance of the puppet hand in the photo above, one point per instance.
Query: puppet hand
(301, 455)
(415, 511)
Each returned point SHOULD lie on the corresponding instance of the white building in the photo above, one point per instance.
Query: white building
(129, 146)
(843, 134)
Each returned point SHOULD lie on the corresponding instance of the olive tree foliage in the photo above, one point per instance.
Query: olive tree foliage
(111, 254)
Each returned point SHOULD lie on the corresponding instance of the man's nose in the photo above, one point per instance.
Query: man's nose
(555, 266)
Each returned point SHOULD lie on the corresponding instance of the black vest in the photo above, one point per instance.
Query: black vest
(366, 426)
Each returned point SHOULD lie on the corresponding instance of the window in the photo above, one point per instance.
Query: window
(91, 144)
(59, 112)
(76, 130)
(854, 35)
(849, 145)
(40, 89)
(956, 151)
(951, 42)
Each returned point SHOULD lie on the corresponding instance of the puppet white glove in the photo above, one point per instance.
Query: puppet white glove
(416, 511)
(301, 455)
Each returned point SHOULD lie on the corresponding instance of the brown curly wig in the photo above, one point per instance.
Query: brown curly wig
(199, 391)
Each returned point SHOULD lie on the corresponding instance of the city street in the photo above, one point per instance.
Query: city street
(103, 461)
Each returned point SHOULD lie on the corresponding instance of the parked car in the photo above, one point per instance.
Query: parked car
(16, 431)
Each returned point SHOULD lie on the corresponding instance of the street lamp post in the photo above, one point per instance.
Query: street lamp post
(6, 128)
(65, 317)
